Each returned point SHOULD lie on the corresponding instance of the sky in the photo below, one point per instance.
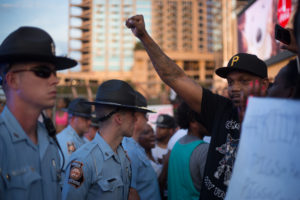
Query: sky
(50, 15)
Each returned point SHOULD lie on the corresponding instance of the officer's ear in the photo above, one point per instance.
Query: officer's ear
(117, 117)
(12, 80)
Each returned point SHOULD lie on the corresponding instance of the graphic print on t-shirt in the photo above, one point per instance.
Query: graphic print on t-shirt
(229, 149)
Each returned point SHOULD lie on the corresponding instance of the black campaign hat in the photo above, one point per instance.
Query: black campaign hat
(116, 93)
(141, 102)
(32, 44)
(78, 107)
(165, 121)
(246, 63)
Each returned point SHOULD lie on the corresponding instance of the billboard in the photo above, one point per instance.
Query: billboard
(256, 27)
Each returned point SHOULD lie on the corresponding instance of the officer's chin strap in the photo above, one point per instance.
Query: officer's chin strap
(52, 133)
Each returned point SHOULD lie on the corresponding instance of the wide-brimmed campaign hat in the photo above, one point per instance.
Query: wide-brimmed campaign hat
(32, 44)
(246, 63)
(141, 103)
(116, 93)
(78, 107)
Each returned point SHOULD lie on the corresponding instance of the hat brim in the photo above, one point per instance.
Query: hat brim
(81, 115)
(223, 71)
(94, 124)
(111, 104)
(60, 62)
(144, 109)
(162, 125)
(76, 113)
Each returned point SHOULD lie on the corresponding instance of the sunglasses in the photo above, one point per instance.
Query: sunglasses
(40, 71)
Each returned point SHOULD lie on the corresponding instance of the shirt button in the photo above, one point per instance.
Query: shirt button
(106, 153)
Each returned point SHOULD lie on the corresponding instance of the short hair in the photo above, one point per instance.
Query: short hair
(185, 115)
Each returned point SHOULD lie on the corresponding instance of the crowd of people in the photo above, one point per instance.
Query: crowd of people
(106, 149)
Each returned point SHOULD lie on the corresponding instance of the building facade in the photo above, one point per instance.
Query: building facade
(191, 32)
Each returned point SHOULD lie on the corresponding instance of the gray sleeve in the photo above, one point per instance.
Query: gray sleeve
(197, 164)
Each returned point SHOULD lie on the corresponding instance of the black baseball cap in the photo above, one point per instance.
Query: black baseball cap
(165, 121)
(246, 63)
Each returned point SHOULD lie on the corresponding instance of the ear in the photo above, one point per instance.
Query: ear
(118, 118)
(72, 120)
(171, 131)
(12, 80)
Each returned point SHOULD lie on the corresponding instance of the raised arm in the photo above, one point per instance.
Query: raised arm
(169, 71)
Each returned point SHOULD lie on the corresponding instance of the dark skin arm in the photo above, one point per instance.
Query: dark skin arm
(162, 179)
(169, 72)
(133, 194)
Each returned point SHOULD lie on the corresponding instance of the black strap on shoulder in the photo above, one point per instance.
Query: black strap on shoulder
(52, 133)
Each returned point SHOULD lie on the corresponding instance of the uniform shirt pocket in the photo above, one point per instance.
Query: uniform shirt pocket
(21, 178)
(110, 184)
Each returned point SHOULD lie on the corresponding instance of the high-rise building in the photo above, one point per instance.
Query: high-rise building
(229, 11)
(189, 31)
(99, 39)
(197, 34)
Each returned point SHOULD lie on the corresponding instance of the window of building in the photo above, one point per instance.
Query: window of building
(208, 76)
(191, 65)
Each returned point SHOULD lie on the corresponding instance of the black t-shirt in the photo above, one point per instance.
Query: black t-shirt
(220, 117)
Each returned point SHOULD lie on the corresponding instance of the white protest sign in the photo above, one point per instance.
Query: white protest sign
(267, 166)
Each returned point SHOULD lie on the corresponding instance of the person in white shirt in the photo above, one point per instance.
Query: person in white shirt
(165, 128)
(177, 135)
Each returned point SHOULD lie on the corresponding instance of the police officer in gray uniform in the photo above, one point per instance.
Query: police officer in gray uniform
(144, 184)
(100, 169)
(29, 158)
(72, 137)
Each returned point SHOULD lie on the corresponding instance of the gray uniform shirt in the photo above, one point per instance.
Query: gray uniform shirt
(27, 171)
(95, 171)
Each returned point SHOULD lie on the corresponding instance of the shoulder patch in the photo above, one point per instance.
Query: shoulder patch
(76, 177)
(71, 147)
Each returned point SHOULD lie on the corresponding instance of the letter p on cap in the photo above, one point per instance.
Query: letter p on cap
(234, 60)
